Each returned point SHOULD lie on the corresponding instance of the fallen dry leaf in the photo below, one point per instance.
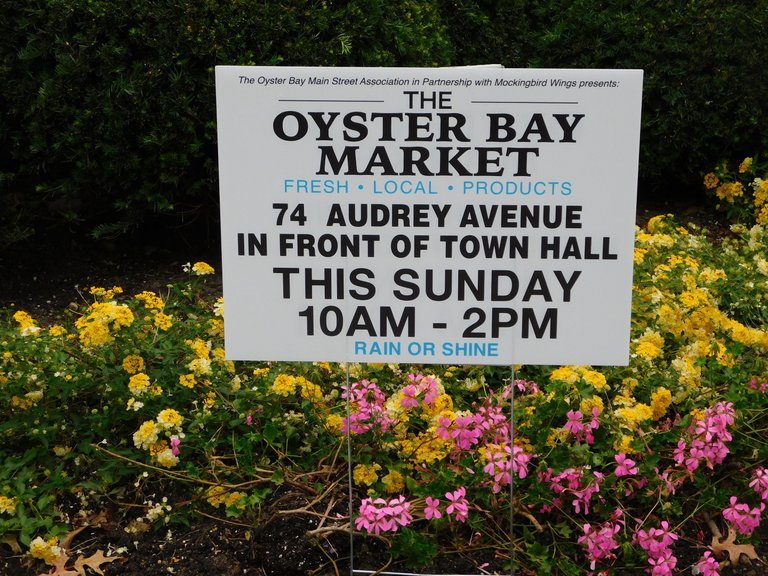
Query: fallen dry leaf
(734, 551)
(60, 567)
(94, 562)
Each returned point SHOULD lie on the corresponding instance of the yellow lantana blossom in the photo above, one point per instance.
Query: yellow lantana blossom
(187, 380)
(163, 321)
(565, 374)
(284, 385)
(202, 269)
(94, 328)
(394, 482)
(650, 345)
(661, 398)
(365, 474)
(47, 551)
(133, 363)
(711, 181)
(138, 384)
(150, 300)
(27, 325)
(169, 419)
(146, 435)
(7, 505)
(730, 191)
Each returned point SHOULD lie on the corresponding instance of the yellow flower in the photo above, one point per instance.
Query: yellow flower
(57, 330)
(133, 363)
(169, 419)
(235, 499)
(324, 366)
(218, 307)
(150, 300)
(309, 391)
(48, 551)
(26, 323)
(657, 223)
(217, 328)
(650, 345)
(565, 374)
(634, 415)
(138, 384)
(166, 458)
(201, 348)
(745, 165)
(711, 181)
(724, 357)
(429, 448)
(94, 327)
(104, 293)
(146, 435)
(639, 255)
(163, 321)
(689, 372)
(200, 366)
(661, 398)
(217, 495)
(284, 385)
(708, 275)
(595, 379)
(589, 404)
(7, 505)
(556, 436)
(202, 269)
(187, 380)
(730, 191)
(365, 474)
(393, 482)
(334, 424)
(210, 400)
(624, 445)
(259, 372)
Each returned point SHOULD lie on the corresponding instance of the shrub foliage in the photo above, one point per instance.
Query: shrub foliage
(108, 108)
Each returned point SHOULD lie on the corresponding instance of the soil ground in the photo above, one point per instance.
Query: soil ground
(46, 276)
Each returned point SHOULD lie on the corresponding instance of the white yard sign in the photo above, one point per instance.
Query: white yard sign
(457, 216)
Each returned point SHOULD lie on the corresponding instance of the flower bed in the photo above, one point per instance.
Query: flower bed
(613, 468)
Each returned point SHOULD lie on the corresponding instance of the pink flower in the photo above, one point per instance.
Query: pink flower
(708, 565)
(663, 564)
(624, 466)
(574, 425)
(378, 515)
(656, 542)
(459, 506)
(432, 510)
(175, 443)
(600, 541)
(743, 519)
(760, 483)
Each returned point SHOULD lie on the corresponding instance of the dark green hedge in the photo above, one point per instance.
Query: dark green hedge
(107, 107)
(705, 87)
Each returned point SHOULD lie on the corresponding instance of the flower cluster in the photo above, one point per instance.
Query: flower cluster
(380, 515)
(657, 544)
(743, 518)
(148, 437)
(708, 436)
(600, 540)
(46, 550)
(741, 192)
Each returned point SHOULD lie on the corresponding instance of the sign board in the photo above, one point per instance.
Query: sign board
(450, 216)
